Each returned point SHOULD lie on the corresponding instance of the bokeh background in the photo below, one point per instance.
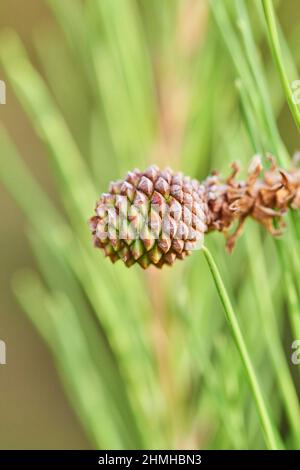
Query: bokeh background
(123, 83)
(34, 411)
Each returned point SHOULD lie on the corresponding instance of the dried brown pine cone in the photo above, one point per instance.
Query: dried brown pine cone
(265, 199)
(155, 217)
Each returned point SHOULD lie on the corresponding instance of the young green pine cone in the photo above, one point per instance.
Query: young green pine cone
(150, 217)
(155, 217)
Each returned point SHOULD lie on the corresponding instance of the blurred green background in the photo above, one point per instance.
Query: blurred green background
(96, 88)
(34, 412)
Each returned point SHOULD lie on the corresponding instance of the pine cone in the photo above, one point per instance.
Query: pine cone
(155, 217)
(150, 217)
(266, 199)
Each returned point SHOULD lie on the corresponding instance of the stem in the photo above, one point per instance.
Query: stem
(268, 429)
(277, 56)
